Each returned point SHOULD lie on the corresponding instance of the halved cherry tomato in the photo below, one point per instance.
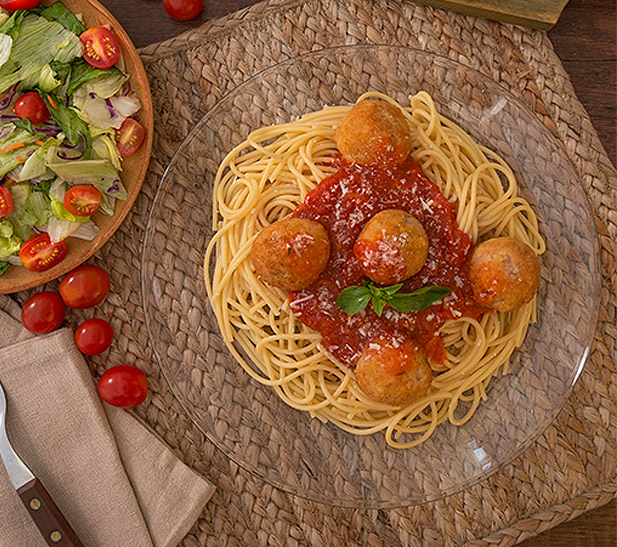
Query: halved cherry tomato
(130, 137)
(183, 10)
(124, 386)
(82, 200)
(101, 47)
(39, 253)
(13, 5)
(30, 105)
(43, 312)
(84, 287)
(6, 202)
(94, 336)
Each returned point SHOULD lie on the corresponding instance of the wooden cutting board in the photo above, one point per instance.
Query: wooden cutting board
(539, 14)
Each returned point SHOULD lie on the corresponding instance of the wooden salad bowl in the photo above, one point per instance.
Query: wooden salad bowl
(134, 167)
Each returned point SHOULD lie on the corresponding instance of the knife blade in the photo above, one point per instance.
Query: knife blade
(52, 524)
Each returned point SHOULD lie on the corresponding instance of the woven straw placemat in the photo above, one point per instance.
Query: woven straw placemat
(570, 469)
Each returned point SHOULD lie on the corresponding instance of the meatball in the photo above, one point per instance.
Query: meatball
(394, 371)
(392, 247)
(504, 273)
(291, 253)
(374, 133)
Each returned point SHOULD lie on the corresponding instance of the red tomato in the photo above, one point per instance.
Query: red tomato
(124, 386)
(30, 105)
(84, 287)
(94, 336)
(101, 47)
(130, 137)
(14, 5)
(183, 10)
(43, 312)
(6, 202)
(82, 200)
(39, 253)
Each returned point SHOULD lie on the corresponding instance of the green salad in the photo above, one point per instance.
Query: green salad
(67, 119)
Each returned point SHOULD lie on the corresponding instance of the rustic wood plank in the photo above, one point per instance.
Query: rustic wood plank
(595, 528)
(585, 39)
(539, 14)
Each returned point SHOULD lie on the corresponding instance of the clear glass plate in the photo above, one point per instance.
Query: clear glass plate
(285, 447)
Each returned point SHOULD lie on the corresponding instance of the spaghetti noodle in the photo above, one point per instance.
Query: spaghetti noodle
(268, 176)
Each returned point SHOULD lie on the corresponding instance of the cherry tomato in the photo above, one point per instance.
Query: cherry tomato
(183, 10)
(30, 105)
(94, 336)
(39, 253)
(6, 202)
(84, 287)
(82, 200)
(14, 5)
(130, 137)
(101, 47)
(43, 312)
(124, 386)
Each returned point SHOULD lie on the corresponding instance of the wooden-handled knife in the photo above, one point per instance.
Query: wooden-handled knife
(49, 520)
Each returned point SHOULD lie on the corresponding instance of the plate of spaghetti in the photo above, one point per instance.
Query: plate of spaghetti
(381, 278)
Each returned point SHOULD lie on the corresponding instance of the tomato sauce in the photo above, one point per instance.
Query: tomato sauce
(343, 203)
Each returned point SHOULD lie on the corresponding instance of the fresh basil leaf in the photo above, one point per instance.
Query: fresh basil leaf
(353, 299)
(418, 300)
(60, 13)
(389, 291)
(378, 304)
(4, 266)
(75, 129)
(26, 125)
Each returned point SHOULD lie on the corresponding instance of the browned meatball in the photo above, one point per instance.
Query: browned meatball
(393, 371)
(291, 253)
(504, 273)
(374, 133)
(392, 247)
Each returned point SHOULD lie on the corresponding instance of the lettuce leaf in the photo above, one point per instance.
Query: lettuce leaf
(74, 128)
(60, 13)
(4, 16)
(35, 165)
(6, 44)
(29, 209)
(12, 26)
(14, 158)
(9, 242)
(104, 83)
(36, 43)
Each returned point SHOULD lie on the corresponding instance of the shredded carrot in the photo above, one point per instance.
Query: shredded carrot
(12, 147)
(8, 182)
(40, 143)
(20, 159)
(52, 103)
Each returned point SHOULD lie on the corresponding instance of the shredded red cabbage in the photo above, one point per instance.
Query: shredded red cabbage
(114, 187)
(6, 131)
(81, 147)
(110, 107)
(9, 94)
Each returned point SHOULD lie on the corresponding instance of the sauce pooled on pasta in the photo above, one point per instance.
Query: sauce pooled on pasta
(343, 203)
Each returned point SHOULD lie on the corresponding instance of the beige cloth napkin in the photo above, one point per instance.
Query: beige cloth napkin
(113, 479)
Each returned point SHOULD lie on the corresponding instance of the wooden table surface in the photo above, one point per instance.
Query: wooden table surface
(585, 39)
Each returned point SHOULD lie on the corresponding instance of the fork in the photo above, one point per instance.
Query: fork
(52, 524)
